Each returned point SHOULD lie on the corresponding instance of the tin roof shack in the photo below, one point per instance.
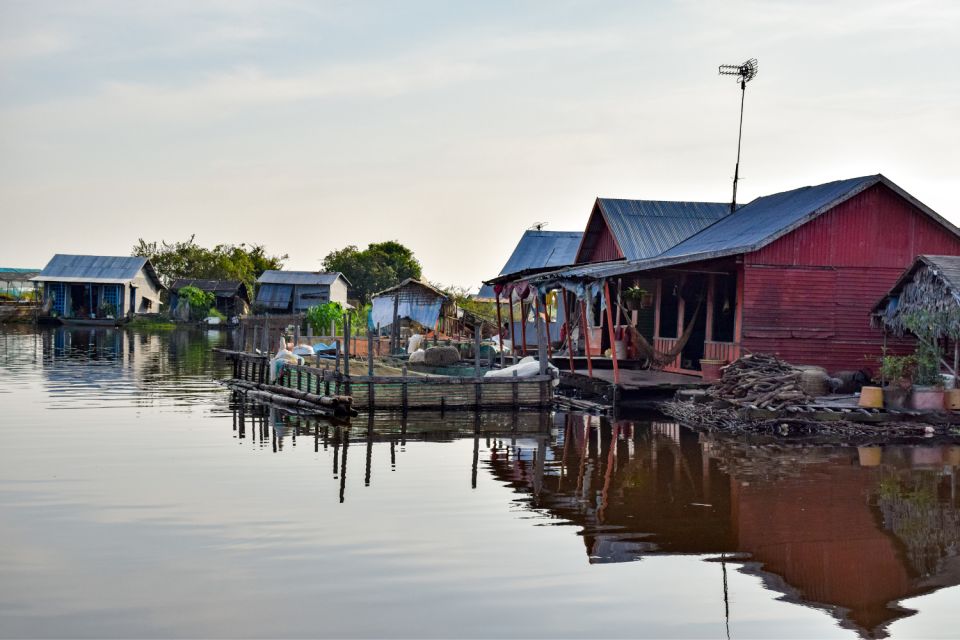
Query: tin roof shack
(231, 297)
(794, 274)
(297, 291)
(928, 291)
(537, 249)
(411, 300)
(99, 288)
(15, 283)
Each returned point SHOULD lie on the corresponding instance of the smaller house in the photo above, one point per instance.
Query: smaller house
(297, 291)
(15, 283)
(410, 300)
(231, 297)
(83, 288)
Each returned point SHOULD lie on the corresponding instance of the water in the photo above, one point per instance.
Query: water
(138, 498)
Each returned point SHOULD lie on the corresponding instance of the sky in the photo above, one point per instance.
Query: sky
(448, 126)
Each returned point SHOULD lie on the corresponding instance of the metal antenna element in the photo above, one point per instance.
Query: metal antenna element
(745, 73)
(538, 226)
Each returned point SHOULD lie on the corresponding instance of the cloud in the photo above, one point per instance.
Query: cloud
(33, 45)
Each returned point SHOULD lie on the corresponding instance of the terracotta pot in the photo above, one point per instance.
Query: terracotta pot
(871, 397)
(927, 399)
(895, 396)
(711, 369)
(951, 399)
(869, 456)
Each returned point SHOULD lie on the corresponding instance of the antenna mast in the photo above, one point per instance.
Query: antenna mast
(745, 73)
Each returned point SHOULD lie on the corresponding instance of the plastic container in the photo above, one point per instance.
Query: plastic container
(951, 399)
(927, 399)
(869, 456)
(871, 398)
(621, 351)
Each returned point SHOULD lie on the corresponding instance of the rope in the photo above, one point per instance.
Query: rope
(660, 359)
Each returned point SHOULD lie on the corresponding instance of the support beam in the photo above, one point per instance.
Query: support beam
(513, 333)
(500, 332)
(610, 330)
(585, 327)
(567, 319)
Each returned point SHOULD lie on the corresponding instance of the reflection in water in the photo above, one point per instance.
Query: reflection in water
(848, 531)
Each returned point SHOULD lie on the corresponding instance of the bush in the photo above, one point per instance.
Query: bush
(320, 317)
(199, 300)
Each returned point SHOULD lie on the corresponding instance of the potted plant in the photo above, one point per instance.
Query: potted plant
(897, 374)
(928, 326)
(636, 298)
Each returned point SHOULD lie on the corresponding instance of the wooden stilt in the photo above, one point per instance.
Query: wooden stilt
(523, 326)
(585, 327)
(610, 330)
(567, 319)
(503, 355)
(513, 333)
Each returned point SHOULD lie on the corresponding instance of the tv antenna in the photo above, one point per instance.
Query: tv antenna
(745, 73)
(538, 226)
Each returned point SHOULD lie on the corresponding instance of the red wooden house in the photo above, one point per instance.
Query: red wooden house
(795, 273)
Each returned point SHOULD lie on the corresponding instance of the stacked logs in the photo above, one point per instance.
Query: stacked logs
(760, 381)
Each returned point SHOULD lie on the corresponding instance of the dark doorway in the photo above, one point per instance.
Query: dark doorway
(694, 293)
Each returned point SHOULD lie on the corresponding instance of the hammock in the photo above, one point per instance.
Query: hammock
(660, 359)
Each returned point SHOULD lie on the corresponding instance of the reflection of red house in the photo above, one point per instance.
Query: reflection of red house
(820, 535)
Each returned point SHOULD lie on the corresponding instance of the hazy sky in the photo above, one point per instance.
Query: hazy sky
(449, 126)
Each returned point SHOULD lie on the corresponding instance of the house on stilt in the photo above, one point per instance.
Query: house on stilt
(795, 274)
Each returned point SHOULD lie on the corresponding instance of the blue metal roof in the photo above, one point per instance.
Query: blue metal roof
(538, 249)
(765, 219)
(647, 228)
(74, 268)
(273, 276)
(275, 296)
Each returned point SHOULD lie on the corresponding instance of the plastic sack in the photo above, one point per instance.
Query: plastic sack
(414, 343)
(418, 356)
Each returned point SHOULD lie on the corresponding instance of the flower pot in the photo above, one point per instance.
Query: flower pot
(871, 398)
(895, 396)
(711, 369)
(927, 398)
(951, 399)
(632, 304)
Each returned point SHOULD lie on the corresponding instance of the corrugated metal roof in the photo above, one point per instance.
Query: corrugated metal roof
(299, 277)
(647, 228)
(412, 282)
(765, 219)
(948, 268)
(10, 274)
(76, 268)
(275, 296)
(219, 287)
(538, 249)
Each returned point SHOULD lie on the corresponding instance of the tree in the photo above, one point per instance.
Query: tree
(379, 266)
(176, 260)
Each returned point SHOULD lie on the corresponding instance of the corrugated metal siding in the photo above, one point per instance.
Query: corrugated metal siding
(874, 228)
(605, 248)
(275, 296)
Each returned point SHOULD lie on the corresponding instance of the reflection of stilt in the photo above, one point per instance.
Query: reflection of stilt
(476, 459)
(343, 466)
(366, 476)
(538, 465)
(608, 475)
(393, 455)
(726, 596)
(336, 451)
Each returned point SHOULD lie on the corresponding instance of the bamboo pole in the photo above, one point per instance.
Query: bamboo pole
(513, 333)
(500, 333)
(523, 326)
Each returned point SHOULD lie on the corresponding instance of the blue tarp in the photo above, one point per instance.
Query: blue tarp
(426, 313)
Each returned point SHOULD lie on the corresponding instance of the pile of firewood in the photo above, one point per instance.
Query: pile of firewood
(759, 381)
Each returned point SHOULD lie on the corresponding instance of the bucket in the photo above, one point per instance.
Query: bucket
(621, 349)
(951, 399)
(813, 380)
(869, 456)
(871, 398)
(711, 369)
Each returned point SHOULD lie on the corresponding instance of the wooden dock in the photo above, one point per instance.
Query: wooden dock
(402, 392)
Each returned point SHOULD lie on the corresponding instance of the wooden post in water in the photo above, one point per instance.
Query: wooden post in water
(346, 353)
(404, 390)
(541, 337)
(395, 325)
(516, 391)
(296, 334)
(370, 390)
(546, 318)
(476, 348)
(253, 347)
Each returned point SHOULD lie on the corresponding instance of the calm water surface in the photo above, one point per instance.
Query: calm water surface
(138, 498)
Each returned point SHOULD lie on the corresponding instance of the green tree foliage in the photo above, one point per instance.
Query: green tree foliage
(199, 300)
(379, 266)
(322, 315)
(174, 260)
